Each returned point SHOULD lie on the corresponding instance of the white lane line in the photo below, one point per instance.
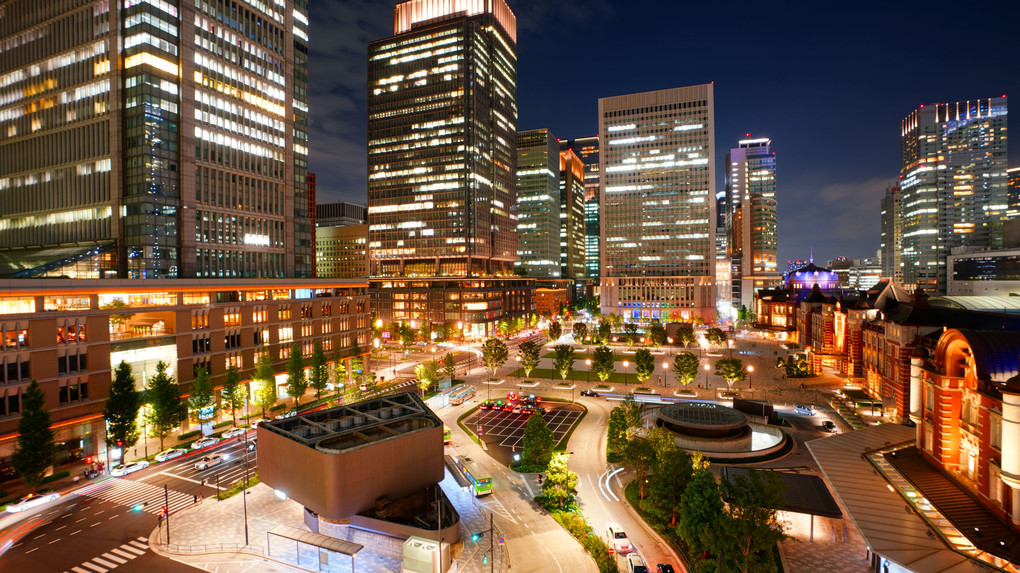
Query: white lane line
(112, 517)
(54, 541)
(31, 550)
(114, 558)
(59, 528)
(38, 536)
(96, 523)
(77, 531)
(82, 519)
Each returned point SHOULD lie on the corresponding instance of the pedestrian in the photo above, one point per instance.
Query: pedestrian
(195, 498)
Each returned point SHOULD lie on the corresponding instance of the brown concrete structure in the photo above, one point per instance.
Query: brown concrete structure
(342, 461)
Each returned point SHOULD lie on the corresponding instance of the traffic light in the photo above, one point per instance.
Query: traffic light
(139, 506)
(485, 559)
(120, 443)
(476, 536)
(162, 511)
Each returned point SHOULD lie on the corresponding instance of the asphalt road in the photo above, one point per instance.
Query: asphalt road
(97, 528)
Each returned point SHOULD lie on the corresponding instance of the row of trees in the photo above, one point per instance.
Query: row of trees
(602, 332)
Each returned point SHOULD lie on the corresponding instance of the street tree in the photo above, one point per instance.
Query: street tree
(751, 521)
(603, 364)
(644, 365)
(579, 330)
(504, 327)
(533, 321)
(426, 375)
(318, 374)
(605, 330)
(339, 368)
(563, 363)
(233, 393)
(716, 336)
(685, 366)
(530, 353)
(657, 334)
(630, 329)
(616, 431)
(494, 354)
(701, 509)
(122, 407)
(426, 331)
(560, 483)
(685, 334)
(662, 442)
(35, 450)
(632, 414)
(297, 384)
(744, 315)
(449, 366)
(641, 456)
(201, 397)
(166, 410)
(406, 334)
(666, 485)
(519, 324)
(538, 441)
(732, 369)
(555, 330)
(264, 395)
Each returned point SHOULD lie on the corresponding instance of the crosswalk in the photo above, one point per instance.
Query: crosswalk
(130, 493)
(113, 558)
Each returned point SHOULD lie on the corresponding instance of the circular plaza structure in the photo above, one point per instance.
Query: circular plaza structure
(716, 430)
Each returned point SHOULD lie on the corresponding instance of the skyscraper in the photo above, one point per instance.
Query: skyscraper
(154, 138)
(892, 234)
(1013, 191)
(538, 203)
(751, 223)
(657, 204)
(571, 223)
(442, 163)
(587, 149)
(953, 185)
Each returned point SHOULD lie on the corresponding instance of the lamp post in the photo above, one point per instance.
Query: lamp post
(518, 359)
(665, 373)
(375, 343)
(706, 375)
(750, 370)
(587, 362)
(625, 364)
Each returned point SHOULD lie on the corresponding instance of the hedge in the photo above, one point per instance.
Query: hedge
(56, 476)
(188, 435)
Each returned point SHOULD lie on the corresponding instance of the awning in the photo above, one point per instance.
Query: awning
(802, 494)
(317, 540)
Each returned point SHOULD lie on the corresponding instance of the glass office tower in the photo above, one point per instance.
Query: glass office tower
(154, 138)
(752, 222)
(538, 203)
(658, 204)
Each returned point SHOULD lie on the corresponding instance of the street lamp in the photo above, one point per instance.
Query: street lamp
(665, 369)
(518, 359)
(587, 362)
(750, 370)
(625, 364)
(706, 375)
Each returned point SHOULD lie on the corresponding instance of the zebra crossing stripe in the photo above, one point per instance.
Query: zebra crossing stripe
(114, 558)
(124, 554)
(105, 563)
(127, 547)
(96, 568)
(80, 570)
(129, 493)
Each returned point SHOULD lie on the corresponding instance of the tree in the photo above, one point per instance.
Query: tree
(657, 335)
(504, 327)
(560, 483)
(449, 366)
(685, 366)
(202, 396)
(563, 363)
(666, 485)
(534, 320)
(265, 393)
(715, 336)
(166, 409)
(530, 353)
(233, 393)
(605, 330)
(555, 330)
(494, 354)
(751, 521)
(701, 508)
(580, 330)
(122, 407)
(685, 334)
(732, 369)
(538, 441)
(339, 369)
(662, 442)
(631, 330)
(603, 364)
(519, 324)
(426, 331)
(297, 384)
(640, 454)
(616, 430)
(426, 376)
(632, 414)
(406, 334)
(644, 365)
(35, 451)
(745, 315)
(318, 374)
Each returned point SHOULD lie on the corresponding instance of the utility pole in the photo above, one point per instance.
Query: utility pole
(244, 487)
(492, 555)
(166, 503)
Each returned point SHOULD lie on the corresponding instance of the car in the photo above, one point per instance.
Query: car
(517, 409)
(204, 442)
(664, 568)
(635, 564)
(485, 406)
(125, 469)
(31, 500)
(806, 410)
(829, 426)
(170, 454)
(590, 393)
(259, 422)
(234, 432)
(618, 539)
(210, 461)
(251, 445)
(512, 396)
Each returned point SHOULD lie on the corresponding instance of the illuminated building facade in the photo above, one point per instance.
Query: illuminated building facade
(442, 156)
(538, 203)
(69, 335)
(1013, 191)
(341, 252)
(892, 234)
(340, 214)
(154, 138)
(657, 204)
(953, 185)
(587, 149)
(751, 223)
(571, 223)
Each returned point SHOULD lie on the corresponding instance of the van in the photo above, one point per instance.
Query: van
(805, 410)
(618, 538)
(635, 564)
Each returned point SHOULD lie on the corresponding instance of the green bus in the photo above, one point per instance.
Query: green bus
(481, 483)
(447, 435)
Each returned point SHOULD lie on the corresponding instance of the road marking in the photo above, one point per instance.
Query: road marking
(31, 550)
(96, 523)
(104, 563)
(59, 528)
(38, 536)
(143, 539)
(78, 531)
(114, 558)
(139, 545)
(54, 541)
(95, 567)
(127, 547)
(80, 570)
(82, 519)
(112, 517)
(123, 554)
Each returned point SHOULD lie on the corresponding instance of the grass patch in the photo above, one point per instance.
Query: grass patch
(579, 529)
(222, 424)
(460, 423)
(279, 406)
(238, 487)
(583, 376)
(564, 384)
(644, 390)
(582, 356)
(603, 387)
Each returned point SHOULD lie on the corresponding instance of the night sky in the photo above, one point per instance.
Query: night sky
(827, 82)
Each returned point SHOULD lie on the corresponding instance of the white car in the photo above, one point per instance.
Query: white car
(805, 410)
(234, 432)
(204, 442)
(210, 461)
(618, 539)
(31, 500)
(170, 454)
(126, 469)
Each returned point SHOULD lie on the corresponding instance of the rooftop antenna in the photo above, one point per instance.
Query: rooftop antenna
(811, 259)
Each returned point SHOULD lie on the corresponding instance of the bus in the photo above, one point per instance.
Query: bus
(447, 435)
(481, 483)
(461, 395)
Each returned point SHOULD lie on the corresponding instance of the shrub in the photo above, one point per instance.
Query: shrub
(237, 487)
(188, 435)
(54, 477)
(279, 406)
(222, 424)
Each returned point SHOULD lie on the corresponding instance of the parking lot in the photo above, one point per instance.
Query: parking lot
(506, 429)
